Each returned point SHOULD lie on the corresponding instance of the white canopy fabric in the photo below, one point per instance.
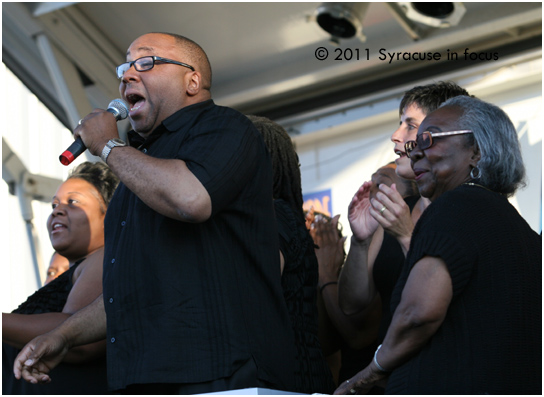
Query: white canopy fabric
(340, 110)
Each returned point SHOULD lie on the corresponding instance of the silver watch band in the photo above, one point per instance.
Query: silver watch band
(110, 145)
(105, 153)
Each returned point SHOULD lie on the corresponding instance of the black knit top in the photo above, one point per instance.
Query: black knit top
(52, 297)
(491, 339)
(88, 378)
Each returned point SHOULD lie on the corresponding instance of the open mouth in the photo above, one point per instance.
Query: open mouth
(57, 227)
(135, 102)
(400, 153)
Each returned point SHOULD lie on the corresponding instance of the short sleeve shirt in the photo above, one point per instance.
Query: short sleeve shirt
(490, 341)
(192, 302)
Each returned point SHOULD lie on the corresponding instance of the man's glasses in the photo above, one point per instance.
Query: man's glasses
(425, 139)
(146, 63)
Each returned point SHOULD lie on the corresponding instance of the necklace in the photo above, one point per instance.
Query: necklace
(475, 184)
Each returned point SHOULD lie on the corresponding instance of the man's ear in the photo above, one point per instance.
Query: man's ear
(194, 83)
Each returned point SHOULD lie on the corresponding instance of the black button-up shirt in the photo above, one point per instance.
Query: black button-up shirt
(192, 302)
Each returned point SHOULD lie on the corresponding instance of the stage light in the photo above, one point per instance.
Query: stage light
(342, 20)
(438, 15)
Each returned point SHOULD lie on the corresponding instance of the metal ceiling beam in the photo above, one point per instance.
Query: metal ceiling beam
(320, 103)
(21, 55)
(413, 30)
(27, 187)
(286, 86)
(87, 48)
(66, 80)
(263, 93)
(45, 7)
(91, 53)
(69, 45)
(362, 113)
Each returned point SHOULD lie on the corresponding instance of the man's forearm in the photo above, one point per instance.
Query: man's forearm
(166, 185)
(85, 326)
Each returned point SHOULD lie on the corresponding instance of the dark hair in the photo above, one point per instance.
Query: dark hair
(198, 55)
(286, 170)
(501, 164)
(100, 176)
(429, 97)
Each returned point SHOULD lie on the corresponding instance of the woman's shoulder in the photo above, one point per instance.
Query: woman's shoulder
(86, 282)
(91, 262)
(461, 209)
(462, 196)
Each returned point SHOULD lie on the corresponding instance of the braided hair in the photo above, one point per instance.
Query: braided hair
(285, 165)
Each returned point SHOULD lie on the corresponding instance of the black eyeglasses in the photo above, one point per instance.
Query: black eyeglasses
(425, 139)
(146, 63)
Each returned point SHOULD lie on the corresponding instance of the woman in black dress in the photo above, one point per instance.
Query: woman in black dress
(468, 304)
(76, 230)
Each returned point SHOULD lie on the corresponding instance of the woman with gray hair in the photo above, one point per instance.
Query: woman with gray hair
(501, 166)
(468, 304)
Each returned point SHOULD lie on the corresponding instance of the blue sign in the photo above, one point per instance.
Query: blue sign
(321, 201)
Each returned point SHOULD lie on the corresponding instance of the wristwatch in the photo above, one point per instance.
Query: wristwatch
(110, 145)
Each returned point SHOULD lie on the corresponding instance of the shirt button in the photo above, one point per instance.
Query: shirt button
(111, 300)
(123, 223)
(112, 340)
(113, 260)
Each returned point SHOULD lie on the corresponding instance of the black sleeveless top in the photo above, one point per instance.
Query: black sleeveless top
(88, 378)
(52, 297)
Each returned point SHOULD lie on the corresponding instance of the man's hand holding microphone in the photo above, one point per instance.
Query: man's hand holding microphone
(97, 132)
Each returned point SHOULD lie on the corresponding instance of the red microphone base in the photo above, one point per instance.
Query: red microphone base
(66, 158)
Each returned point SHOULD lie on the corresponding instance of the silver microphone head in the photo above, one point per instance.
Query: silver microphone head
(119, 109)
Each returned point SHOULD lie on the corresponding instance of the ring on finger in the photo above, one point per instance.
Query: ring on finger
(383, 209)
(79, 122)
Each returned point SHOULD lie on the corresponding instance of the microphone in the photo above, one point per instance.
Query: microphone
(118, 108)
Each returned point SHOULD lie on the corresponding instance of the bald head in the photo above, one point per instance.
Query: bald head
(195, 56)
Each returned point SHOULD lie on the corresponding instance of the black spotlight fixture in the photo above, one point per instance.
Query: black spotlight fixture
(342, 20)
(437, 15)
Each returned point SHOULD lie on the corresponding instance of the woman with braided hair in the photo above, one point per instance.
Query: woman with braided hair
(298, 261)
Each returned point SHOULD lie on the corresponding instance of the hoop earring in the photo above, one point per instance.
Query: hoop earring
(479, 173)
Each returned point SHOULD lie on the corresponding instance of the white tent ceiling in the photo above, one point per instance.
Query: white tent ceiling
(263, 57)
(263, 54)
